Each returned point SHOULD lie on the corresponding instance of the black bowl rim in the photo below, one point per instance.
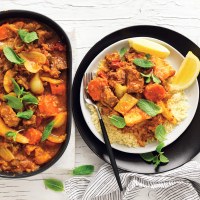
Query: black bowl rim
(100, 46)
(25, 14)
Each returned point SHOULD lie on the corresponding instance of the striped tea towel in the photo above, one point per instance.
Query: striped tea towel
(180, 184)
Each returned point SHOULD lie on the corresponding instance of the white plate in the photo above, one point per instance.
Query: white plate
(192, 93)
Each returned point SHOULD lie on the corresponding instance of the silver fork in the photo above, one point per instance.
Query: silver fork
(86, 79)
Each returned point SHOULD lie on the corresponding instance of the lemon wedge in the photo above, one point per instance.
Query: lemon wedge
(150, 47)
(187, 73)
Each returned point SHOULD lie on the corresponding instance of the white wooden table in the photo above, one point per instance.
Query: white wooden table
(92, 20)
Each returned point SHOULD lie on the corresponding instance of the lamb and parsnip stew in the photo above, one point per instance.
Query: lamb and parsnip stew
(33, 98)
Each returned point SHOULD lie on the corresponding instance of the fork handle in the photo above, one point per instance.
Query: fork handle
(110, 153)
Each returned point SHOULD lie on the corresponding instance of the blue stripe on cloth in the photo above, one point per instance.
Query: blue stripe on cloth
(179, 184)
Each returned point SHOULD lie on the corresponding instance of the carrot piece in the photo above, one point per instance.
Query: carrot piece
(95, 87)
(4, 33)
(154, 92)
(58, 89)
(33, 135)
(48, 105)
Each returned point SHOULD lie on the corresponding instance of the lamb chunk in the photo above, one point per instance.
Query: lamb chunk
(21, 80)
(116, 77)
(31, 121)
(9, 116)
(41, 156)
(113, 60)
(135, 83)
(108, 98)
(131, 55)
(57, 63)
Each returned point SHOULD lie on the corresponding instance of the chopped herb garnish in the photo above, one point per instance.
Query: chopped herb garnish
(54, 184)
(117, 121)
(83, 170)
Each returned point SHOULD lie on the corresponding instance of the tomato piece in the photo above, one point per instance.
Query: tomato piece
(58, 89)
(95, 87)
(48, 105)
(33, 135)
(4, 32)
(102, 74)
(154, 92)
(115, 64)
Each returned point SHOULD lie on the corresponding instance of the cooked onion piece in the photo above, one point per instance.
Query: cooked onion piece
(33, 60)
(36, 84)
(7, 82)
(51, 80)
(6, 154)
(60, 119)
(4, 129)
(56, 138)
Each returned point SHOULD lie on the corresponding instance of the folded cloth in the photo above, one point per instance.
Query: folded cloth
(179, 184)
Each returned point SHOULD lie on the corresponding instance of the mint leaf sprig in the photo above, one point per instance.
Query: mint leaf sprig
(150, 77)
(16, 102)
(158, 157)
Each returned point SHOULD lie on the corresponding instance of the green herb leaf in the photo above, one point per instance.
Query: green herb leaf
(163, 159)
(25, 115)
(146, 75)
(26, 36)
(122, 51)
(157, 163)
(160, 133)
(149, 107)
(13, 102)
(83, 170)
(117, 121)
(12, 135)
(54, 184)
(17, 89)
(47, 131)
(148, 56)
(143, 63)
(160, 147)
(148, 80)
(29, 99)
(156, 79)
(147, 156)
(12, 56)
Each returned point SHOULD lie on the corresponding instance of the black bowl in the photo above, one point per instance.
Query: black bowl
(23, 14)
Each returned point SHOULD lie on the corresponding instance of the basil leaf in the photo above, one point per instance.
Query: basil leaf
(143, 63)
(54, 184)
(11, 134)
(25, 115)
(160, 147)
(122, 51)
(160, 133)
(117, 121)
(149, 107)
(26, 36)
(29, 99)
(163, 159)
(12, 56)
(147, 156)
(47, 131)
(148, 56)
(83, 170)
(13, 102)
(156, 79)
(17, 89)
